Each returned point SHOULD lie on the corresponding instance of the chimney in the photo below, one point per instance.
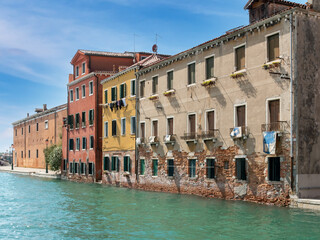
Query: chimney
(315, 4)
(44, 107)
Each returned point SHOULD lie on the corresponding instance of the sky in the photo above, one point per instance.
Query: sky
(38, 39)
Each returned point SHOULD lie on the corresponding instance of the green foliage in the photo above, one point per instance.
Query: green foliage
(53, 157)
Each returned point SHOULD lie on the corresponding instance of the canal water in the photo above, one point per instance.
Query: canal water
(33, 208)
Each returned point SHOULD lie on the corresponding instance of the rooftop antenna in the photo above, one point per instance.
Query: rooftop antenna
(155, 46)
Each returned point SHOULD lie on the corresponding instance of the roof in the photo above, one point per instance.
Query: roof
(109, 54)
(34, 116)
(287, 3)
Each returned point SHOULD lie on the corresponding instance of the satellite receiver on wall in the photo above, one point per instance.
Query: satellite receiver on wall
(155, 48)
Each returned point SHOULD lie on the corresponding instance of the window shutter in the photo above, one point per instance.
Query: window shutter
(192, 123)
(210, 121)
(241, 116)
(106, 96)
(118, 164)
(124, 90)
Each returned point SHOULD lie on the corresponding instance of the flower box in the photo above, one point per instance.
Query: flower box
(153, 97)
(238, 74)
(209, 82)
(273, 64)
(169, 93)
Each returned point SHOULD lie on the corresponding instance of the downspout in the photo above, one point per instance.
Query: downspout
(137, 124)
(291, 102)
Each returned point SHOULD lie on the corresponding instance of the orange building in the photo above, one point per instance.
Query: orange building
(33, 134)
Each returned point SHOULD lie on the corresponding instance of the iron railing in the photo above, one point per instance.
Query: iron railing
(189, 136)
(210, 134)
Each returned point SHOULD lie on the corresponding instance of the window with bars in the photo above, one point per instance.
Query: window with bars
(191, 73)
(123, 90)
(142, 166)
(273, 47)
(274, 168)
(155, 167)
(240, 58)
(91, 117)
(170, 80)
(126, 164)
(241, 169)
(192, 168)
(210, 168)
(209, 67)
(154, 85)
(170, 170)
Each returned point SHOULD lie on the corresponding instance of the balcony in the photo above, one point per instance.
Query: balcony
(169, 139)
(140, 141)
(239, 132)
(190, 137)
(210, 135)
(279, 126)
(154, 140)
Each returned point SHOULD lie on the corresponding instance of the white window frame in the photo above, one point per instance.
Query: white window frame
(131, 132)
(83, 68)
(131, 83)
(206, 119)
(266, 37)
(106, 129)
(195, 80)
(90, 88)
(123, 126)
(46, 124)
(188, 127)
(143, 80)
(83, 93)
(167, 125)
(152, 131)
(71, 94)
(77, 94)
(267, 108)
(235, 56)
(235, 120)
(104, 96)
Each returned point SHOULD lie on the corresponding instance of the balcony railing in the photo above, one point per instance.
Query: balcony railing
(153, 140)
(244, 132)
(209, 135)
(188, 137)
(279, 126)
(169, 139)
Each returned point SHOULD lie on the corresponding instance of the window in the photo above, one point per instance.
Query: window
(274, 111)
(192, 123)
(76, 167)
(37, 153)
(142, 167)
(114, 94)
(90, 88)
(21, 131)
(274, 168)
(123, 126)
(123, 90)
(192, 168)
(83, 119)
(209, 67)
(83, 89)
(82, 168)
(64, 166)
(154, 85)
(91, 142)
(115, 163)
(126, 164)
(77, 71)
(169, 126)
(83, 68)
(105, 96)
(46, 124)
(106, 129)
(71, 95)
(142, 88)
(210, 121)
(71, 144)
(133, 125)
(210, 168)
(91, 117)
(70, 121)
(77, 94)
(142, 130)
(77, 120)
(191, 73)
(155, 128)
(114, 127)
(133, 87)
(106, 163)
(71, 167)
(29, 128)
(240, 116)
(77, 144)
(91, 168)
(241, 168)
(37, 127)
(273, 47)
(170, 167)
(21, 154)
(84, 143)
(29, 154)
(240, 58)
(155, 167)
(170, 80)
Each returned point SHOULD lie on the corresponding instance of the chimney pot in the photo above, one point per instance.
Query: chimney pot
(44, 107)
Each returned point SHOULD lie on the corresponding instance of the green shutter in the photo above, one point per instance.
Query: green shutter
(118, 164)
(155, 167)
(142, 167)
(106, 96)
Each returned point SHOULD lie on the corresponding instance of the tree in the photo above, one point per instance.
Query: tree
(53, 157)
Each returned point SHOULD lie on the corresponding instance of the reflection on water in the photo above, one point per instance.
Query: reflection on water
(33, 208)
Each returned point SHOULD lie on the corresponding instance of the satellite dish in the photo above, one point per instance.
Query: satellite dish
(155, 48)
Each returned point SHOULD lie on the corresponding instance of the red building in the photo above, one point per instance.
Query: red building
(82, 132)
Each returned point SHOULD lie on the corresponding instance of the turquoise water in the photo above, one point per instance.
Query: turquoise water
(33, 208)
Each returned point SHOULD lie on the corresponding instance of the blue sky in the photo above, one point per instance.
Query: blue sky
(38, 39)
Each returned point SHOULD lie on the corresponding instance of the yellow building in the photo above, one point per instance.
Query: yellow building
(119, 124)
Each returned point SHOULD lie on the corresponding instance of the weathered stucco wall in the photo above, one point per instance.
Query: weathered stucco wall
(308, 104)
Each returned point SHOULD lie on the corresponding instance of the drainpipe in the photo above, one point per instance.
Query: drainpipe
(291, 102)
(137, 125)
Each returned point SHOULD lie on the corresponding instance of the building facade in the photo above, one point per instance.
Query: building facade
(219, 119)
(33, 134)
